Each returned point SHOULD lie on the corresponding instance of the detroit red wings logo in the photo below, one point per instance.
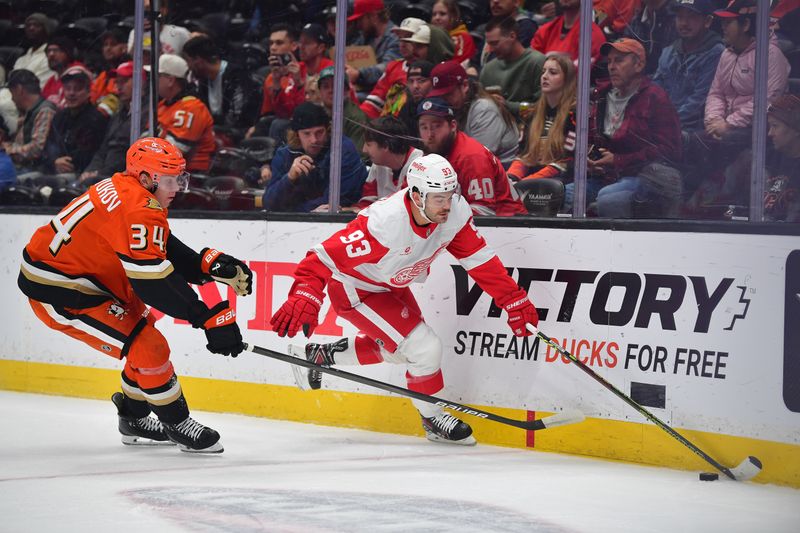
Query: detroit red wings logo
(407, 275)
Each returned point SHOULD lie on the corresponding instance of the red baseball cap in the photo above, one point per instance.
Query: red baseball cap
(362, 7)
(737, 8)
(124, 69)
(446, 76)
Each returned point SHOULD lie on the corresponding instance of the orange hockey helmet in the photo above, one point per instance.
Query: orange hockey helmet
(159, 159)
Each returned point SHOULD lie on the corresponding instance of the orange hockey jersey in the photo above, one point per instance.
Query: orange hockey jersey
(186, 122)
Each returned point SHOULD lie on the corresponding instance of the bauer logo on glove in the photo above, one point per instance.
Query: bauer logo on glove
(228, 270)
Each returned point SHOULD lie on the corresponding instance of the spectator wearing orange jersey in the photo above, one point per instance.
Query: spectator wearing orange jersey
(183, 119)
(104, 86)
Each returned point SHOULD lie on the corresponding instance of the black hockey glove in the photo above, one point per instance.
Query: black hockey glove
(227, 269)
(222, 331)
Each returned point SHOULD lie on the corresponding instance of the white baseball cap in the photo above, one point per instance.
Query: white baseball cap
(171, 65)
(421, 36)
(409, 25)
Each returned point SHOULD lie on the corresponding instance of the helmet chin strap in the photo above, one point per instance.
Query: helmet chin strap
(422, 208)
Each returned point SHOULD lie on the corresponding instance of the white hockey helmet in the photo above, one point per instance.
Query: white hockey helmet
(431, 173)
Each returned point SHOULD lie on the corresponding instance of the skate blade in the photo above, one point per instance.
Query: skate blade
(214, 448)
(129, 440)
(300, 372)
(466, 441)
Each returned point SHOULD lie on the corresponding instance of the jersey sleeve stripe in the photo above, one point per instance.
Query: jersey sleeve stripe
(477, 259)
(136, 270)
(46, 277)
(79, 322)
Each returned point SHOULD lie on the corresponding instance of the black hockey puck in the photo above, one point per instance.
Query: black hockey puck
(709, 476)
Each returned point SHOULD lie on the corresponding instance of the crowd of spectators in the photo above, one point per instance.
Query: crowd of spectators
(246, 92)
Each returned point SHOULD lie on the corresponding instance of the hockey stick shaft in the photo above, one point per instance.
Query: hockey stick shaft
(530, 425)
(630, 401)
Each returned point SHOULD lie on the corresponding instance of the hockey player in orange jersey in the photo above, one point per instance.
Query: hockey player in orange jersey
(183, 119)
(90, 271)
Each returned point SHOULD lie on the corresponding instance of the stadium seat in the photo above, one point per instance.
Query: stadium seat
(261, 149)
(225, 183)
(542, 197)
(245, 200)
(194, 199)
(9, 54)
(61, 196)
(232, 162)
(51, 181)
(11, 34)
(20, 195)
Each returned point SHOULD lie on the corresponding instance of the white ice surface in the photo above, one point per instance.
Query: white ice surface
(63, 468)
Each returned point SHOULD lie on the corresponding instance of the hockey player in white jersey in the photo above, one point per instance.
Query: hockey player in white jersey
(367, 268)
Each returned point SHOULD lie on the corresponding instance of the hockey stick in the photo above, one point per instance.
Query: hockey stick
(560, 419)
(747, 469)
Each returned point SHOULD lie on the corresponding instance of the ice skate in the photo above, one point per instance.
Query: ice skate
(320, 354)
(193, 437)
(146, 431)
(444, 427)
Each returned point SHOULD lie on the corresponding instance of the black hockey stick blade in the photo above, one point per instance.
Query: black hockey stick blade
(746, 470)
(559, 419)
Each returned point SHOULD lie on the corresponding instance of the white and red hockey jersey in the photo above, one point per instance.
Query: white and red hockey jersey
(384, 248)
(380, 180)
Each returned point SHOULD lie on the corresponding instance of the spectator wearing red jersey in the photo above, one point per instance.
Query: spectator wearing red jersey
(562, 34)
(447, 15)
(396, 71)
(484, 183)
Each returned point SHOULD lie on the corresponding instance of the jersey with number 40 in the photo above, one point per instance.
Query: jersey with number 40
(89, 252)
(384, 248)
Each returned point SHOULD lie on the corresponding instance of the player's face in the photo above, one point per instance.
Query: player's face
(419, 86)
(552, 77)
(313, 140)
(437, 134)
(169, 186)
(437, 206)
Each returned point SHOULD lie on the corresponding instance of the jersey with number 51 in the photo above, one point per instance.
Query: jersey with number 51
(114, 232)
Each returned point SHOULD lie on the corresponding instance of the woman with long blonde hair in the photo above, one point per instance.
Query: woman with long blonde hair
(549, 152)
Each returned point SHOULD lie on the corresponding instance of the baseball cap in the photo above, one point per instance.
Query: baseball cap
(421, 36)
(626, 46)
(316, 32)
(421, 68)
(124, 69)
(704, 7)
(362, 7)
(436, 107)
(309, 115)
(737, 8)
(171, 65)
(447, 75)
(786, 108)
(409, 25)
(327, 72)
(75, 72)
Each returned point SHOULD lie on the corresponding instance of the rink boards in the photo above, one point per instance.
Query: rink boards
(694, 325)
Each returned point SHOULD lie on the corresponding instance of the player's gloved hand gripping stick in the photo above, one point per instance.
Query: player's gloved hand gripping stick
(747, 469)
